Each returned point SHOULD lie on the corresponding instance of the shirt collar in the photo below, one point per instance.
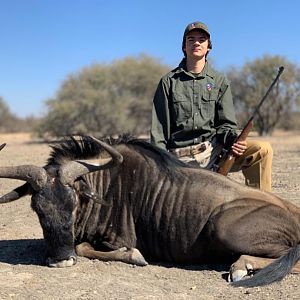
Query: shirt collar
(207, 70)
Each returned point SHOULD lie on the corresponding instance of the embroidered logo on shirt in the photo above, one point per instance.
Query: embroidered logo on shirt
(209, 86)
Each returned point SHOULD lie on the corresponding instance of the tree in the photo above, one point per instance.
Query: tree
(250, 83)
(4, 110)
(11, 123)
(7, 119)
(105, 99)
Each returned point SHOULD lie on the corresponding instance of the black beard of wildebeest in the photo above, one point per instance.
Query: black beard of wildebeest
(136, 202)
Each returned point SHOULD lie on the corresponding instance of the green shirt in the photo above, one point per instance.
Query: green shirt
(192, 108)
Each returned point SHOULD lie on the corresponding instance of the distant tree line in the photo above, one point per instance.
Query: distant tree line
(106, 99)
(9, 122)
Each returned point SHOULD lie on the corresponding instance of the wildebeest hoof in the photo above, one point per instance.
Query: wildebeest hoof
(236, 275)
(137, 258)
(123, 249)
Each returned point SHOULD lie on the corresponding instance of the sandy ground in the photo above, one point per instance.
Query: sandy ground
(23, 275)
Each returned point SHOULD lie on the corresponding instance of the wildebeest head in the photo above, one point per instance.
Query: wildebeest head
(53, 197)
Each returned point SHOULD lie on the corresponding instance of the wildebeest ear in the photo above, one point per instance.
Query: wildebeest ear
(17, 193)
(72, 170)
(87, 194)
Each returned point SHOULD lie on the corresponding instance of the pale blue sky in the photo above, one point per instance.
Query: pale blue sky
(43, 41)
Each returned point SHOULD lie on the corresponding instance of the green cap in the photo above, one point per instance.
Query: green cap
(196, 25)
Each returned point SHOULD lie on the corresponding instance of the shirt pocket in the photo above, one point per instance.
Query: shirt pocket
(182, 108)
(208, 104)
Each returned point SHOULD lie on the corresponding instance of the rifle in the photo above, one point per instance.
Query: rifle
(226, 159)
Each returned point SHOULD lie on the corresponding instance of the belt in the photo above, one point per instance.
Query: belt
(189, 150)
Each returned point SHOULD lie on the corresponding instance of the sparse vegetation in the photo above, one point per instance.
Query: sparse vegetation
(105, 99)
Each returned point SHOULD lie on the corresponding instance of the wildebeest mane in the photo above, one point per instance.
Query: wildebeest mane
(84, 147)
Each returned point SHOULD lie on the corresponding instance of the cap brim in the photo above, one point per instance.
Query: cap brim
(199, 29)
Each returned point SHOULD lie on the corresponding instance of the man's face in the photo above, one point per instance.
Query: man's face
(196, 44)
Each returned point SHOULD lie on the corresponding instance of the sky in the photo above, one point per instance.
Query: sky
(44, 41)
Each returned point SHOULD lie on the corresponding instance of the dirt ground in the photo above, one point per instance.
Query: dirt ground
(23, 275)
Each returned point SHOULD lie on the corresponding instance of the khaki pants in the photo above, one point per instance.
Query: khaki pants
(255, 163)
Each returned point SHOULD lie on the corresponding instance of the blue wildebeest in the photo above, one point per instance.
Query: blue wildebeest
(139, 203)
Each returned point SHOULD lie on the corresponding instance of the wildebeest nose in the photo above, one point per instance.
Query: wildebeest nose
(54, 263)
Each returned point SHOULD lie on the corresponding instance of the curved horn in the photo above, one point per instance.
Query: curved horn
(16, 194)
(35, 176)
(2, 146)
(74, 169)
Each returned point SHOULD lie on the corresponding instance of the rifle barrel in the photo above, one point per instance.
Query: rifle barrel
(280, 70)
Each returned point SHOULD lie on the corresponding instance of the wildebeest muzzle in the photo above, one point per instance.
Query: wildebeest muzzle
(57, 263)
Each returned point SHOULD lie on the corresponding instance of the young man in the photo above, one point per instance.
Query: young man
(194, 118)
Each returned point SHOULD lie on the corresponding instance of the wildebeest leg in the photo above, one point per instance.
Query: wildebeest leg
(247, 264)
(130, 256)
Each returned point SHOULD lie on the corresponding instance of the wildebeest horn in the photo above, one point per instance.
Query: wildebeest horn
(16, 194)
(2, 146)
(35, 176)
(74, 169)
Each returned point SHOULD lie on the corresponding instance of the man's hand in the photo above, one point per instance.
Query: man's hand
(239, 148)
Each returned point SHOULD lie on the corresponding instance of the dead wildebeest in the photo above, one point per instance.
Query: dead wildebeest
(139, 202)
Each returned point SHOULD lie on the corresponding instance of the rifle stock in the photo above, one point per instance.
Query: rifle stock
(225, 162)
